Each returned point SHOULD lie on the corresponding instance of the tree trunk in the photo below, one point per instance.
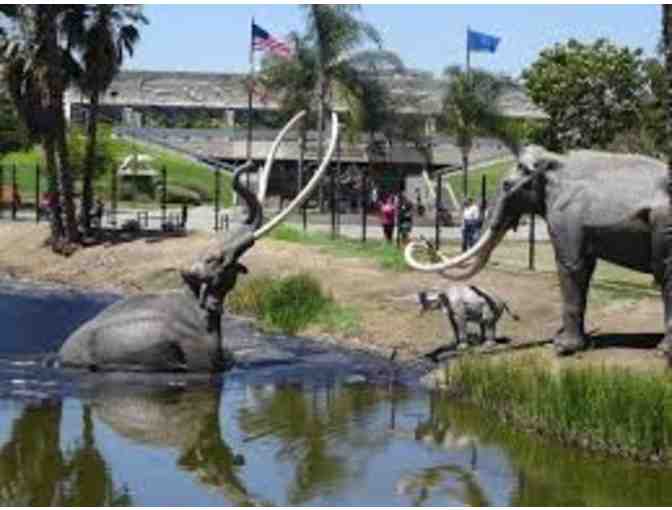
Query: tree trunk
(56, 82)
(56, 220)
(65, 178)
(465, 178)
(667, 41)
(302, 154)
(89, 170)
(320, 130)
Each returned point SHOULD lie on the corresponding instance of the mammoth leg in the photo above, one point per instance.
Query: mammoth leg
(662, 271)
(574, 284)
(484, 331)
(458, 324)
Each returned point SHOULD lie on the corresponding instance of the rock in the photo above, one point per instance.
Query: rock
(436, 379)
(356, 379)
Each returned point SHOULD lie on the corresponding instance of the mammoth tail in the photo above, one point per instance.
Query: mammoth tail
(514, 316)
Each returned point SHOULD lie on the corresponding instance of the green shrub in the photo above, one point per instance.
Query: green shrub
(292, 303)
(248, 296)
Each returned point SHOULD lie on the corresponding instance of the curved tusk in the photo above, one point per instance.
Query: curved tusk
(478, 265)
(471, 271)
(305, 192)
(445, 262)
(263, 178)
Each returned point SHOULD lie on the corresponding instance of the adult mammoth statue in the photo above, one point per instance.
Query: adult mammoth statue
(597, 206)
(182, 330)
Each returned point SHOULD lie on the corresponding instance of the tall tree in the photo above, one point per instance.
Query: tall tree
(38, 68)
(591, 92)
(293, 82)
(470, 108)
(667, 44)
(108, 33)
(335, 31)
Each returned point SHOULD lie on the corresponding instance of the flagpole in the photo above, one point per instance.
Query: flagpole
(468, 68)
(250, 85)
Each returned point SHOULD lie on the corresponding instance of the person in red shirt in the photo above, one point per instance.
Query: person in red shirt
(388, 212)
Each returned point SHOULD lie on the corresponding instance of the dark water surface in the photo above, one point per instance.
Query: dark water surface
(298, 424)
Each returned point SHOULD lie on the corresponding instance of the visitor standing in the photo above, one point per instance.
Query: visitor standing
(471, 223)
(405, 219)
(387, 213)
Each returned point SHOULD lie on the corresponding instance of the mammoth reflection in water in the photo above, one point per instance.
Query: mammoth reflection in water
(186, 419)
(34, 471)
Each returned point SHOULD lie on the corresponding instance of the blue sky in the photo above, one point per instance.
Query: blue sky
(430, 37)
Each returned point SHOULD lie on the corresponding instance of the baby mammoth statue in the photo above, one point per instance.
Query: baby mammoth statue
(463, 304)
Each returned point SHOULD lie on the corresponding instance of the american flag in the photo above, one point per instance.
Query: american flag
(263, 41)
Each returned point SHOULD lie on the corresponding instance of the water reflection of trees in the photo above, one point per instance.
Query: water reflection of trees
(318, 430)
(34, 471)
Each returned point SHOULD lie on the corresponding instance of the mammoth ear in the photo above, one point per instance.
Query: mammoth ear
(241, 268)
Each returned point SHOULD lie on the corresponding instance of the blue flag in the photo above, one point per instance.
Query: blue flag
(477, 41)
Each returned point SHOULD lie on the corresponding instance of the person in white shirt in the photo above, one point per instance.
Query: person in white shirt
(471, 224)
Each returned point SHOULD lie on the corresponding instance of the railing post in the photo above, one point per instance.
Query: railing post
(304, 215)
(37, 193)
(437, 220)
(164, 193)
(113, 192)
(532, 240)
(14, 192)
(217, 182)
(2, 191)
(484, 200)
(364, 201)
(332, 197)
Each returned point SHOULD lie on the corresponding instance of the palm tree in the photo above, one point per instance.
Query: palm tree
(335, 31)
(294, 82)
(470, 109)
(38, 68)
(667, 43)
(109, 32)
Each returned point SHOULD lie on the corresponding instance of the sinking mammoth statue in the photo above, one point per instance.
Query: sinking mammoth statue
(597, 206)
(183, 330)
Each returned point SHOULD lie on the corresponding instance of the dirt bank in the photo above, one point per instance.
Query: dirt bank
(625, 308)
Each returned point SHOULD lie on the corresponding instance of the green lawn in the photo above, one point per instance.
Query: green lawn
(386, 254)
(182, 172)
(493, 174)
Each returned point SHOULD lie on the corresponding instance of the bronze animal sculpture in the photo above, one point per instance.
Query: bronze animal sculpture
(183, 330)
(597, 205)
(464, 304)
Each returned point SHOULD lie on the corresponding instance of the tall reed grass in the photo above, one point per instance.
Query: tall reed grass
(612, 409)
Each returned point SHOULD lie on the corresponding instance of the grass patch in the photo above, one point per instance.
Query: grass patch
(493, 175)
(291, 304)
(387, 255)
(181, 172)
(616, 410)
